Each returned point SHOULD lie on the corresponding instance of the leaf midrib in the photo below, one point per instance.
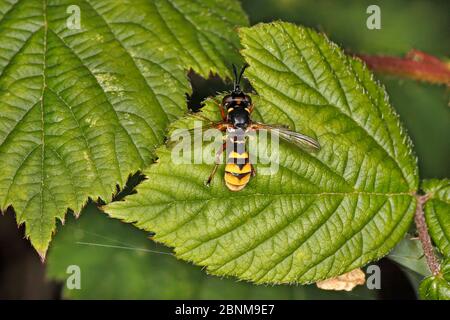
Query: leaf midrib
(258, 194)
(44, 86)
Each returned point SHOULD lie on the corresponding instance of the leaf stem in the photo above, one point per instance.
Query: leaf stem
(419, 219)
(416, 65)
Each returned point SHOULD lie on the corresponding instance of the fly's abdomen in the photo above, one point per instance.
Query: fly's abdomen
(238, 170)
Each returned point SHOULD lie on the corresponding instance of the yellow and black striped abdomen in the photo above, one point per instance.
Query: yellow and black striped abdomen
(238, 170)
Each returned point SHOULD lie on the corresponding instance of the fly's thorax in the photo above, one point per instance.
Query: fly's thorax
(239, 117)
(238, 107)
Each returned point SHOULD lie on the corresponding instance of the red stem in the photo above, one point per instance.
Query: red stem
(415, 65)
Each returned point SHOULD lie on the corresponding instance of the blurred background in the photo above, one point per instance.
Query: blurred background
(118, 261)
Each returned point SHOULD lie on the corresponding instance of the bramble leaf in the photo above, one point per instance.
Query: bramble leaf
(437, 287)
(117, 261)
(82, 109)
(321, 214)
(437, 213)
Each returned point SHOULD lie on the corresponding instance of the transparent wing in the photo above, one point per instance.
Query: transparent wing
(293, 137)
(206, 124)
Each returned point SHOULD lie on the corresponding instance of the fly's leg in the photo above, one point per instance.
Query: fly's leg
(222, 110)
(201, 117)
(216, 165)
(211, 176)
(253, 172)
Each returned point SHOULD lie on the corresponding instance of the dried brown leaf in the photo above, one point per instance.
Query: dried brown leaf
(346, 281)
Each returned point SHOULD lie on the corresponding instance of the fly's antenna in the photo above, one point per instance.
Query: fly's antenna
(236, 83)
(242, 72)
(237, 79)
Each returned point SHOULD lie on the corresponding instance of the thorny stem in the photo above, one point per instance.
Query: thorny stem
(416, 65)
(419, 219)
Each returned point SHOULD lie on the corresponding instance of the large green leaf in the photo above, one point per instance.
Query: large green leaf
(423, 108)
(83, 109)
(437, 287)
(117, 261)
(437, 213)
(321, 214)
